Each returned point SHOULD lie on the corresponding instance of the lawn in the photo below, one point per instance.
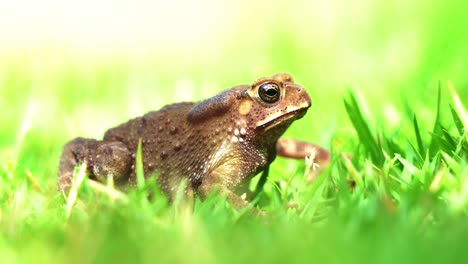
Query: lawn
(389, 89)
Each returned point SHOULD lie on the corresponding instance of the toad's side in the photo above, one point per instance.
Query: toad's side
(217, 143)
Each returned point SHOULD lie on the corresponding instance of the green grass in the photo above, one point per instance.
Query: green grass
(402, 196)
(379, 81)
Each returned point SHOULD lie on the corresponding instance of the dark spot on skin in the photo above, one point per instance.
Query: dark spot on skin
(163, 154)
(160, 128)
(168, 121)
(173, 130)
(177, 146)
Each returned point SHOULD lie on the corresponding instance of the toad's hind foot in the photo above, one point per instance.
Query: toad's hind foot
(114, 159)
(102, 159)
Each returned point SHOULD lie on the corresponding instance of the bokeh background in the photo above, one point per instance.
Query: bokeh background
(76, 68)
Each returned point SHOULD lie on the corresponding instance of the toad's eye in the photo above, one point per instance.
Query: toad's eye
(269, 92)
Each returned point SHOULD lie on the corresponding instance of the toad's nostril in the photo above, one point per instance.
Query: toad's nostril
(298, 90)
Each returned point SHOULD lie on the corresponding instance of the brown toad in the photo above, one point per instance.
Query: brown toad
(217, 143)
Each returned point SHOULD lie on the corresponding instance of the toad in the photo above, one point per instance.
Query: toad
(217, 143)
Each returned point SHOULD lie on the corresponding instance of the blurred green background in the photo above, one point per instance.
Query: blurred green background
(76, 68)
(80, 67)
(86, 65)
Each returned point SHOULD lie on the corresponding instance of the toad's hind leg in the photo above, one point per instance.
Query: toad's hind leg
(101, 158)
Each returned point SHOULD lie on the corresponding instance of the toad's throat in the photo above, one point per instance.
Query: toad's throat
(286, 118)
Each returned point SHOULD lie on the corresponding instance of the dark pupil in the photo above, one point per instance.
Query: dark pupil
(269, 92)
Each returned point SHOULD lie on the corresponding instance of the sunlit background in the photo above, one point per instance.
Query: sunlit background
(87, 65)
(338, 42)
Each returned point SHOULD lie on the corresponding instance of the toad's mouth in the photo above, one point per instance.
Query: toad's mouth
(285, 119)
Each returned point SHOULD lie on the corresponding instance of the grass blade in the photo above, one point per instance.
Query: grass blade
(463, 114)
(436, 131)
(417, 132)
(362, 128)
(450, 140)
(416, 152)
(73, 195)
(139, 168)
(457, 120)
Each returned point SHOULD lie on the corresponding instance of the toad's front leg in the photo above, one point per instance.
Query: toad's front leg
(102, 159)
(221, 182)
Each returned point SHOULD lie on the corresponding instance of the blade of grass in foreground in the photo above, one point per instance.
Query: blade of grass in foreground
(457, 121)
(417, 132)
(78, 179)
(436, 131)
(362, 128)
(139, 167)
(462, 113)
